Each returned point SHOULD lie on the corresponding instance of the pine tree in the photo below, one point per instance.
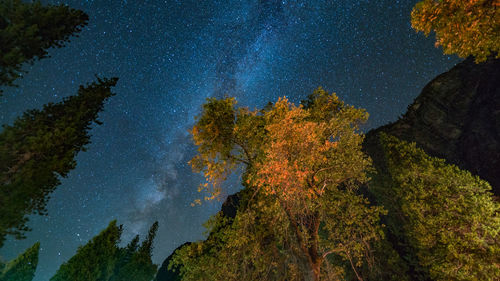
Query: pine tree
(124, 256)
(40, 147)
(23, 267)
(445, 221)
(94, 261)
(146, 247)
(29, 29)
(138, 266)
(102, 260)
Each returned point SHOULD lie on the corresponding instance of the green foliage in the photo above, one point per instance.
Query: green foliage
(445, 219)
(462, 27)
(95, 261)
(442, 223)
(135, 263)
(40, 147)
(146, 247)
(303, 169)
(250, 247)
(102, 260)
(124, 256)
(138, 268)
(23, 267)
(214, 137)
(384, 264)
(29, 29)
(260, 244)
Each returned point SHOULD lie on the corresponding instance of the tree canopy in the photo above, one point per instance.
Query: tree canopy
(301, 215)
(23, 267)
(40, 147)
(101, 259)
(465, 28)
(306, 163)
(95, 261)
(29, 29)
(134, 262)
(445, 220)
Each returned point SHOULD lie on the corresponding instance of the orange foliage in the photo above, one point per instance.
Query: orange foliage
(463, 27)
(295, 152)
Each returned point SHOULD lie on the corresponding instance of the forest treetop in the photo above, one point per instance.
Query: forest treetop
(28, 30)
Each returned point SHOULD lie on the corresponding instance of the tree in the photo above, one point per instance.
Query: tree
(252, 246)
(306, 162)
(124, 256)
(462, 27)
(101, 259)
(23, 267)
(28, 30)
(445, 219)
(40, 147)
(146, 247)
(136, 264)
(95, 261)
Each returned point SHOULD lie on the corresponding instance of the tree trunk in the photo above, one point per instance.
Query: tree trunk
(311, 249)
(315, 270)
(311, 268)
(311, 258)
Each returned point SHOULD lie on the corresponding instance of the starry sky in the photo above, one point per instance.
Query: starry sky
(170, 56)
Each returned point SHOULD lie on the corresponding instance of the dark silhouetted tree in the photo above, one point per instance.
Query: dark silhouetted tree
(29, 29)
(94, 261)
(23, 267)
(137, 264)
(124, 256)
(40, 147)
(103, 260)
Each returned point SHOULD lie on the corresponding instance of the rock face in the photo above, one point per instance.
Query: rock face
(457, 117)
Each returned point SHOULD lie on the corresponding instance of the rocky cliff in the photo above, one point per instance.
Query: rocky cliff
(457, 117)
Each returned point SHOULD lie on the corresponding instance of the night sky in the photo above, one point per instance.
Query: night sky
(170, 56)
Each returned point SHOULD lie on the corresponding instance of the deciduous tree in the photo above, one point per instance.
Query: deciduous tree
(462, 27)
(306, 161)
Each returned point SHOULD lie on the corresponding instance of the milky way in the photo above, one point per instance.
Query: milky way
(170, 56)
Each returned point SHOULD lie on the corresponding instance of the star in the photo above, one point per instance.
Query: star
(170, 56)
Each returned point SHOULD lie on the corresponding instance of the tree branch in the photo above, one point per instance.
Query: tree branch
(353, 267)
(331, 252)
(249, 158)
(239, 159)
